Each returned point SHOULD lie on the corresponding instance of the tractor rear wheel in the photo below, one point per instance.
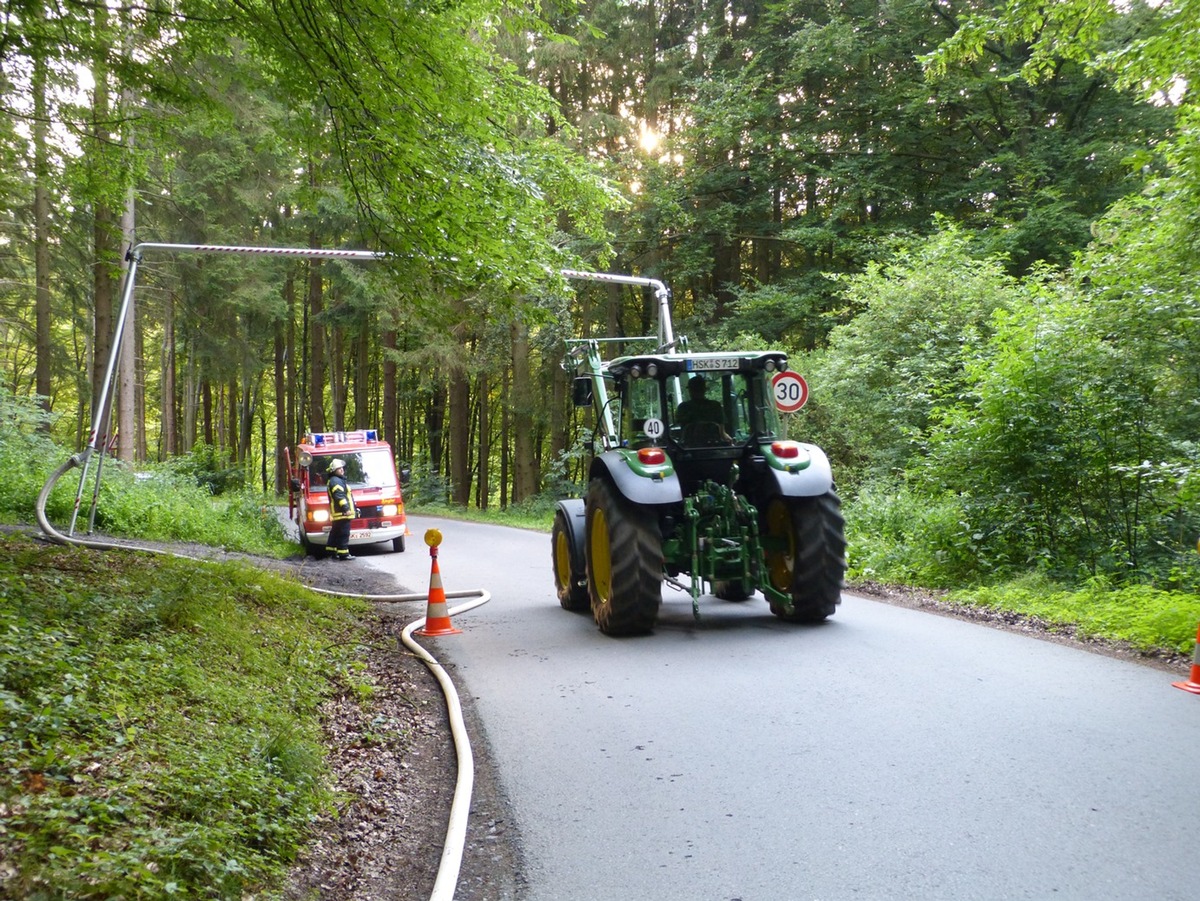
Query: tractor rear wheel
(805, 544)
(624, 562)
(570, 573)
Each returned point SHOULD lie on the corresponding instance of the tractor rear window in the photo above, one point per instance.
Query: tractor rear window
(364, 469)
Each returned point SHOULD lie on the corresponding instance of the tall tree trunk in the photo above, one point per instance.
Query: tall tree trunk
(247, 409)
(127, 430)
(41, 229)
(460, 436)
(389, 391)
(206, 403)
(292, 427)
(170, 441)
(337, 371)
(435, 419)
(363, 416)
(483, 487)
(524, 456)
(282, 439)
(505, 430)
(560, 379)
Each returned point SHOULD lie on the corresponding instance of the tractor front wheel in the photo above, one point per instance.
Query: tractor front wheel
(624, 562)
(805, 544)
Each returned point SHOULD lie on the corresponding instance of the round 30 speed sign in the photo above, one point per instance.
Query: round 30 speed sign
(791, 391)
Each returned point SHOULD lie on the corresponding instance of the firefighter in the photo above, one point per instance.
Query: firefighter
(341, 510)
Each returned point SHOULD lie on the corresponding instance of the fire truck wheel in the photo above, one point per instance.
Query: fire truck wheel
(398, 544)
(313, 550)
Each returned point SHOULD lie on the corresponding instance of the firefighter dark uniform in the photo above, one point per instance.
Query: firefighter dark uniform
(341, 511)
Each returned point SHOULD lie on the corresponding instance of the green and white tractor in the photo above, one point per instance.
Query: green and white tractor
(693, 482)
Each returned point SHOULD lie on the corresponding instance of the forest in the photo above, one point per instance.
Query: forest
(972, 224)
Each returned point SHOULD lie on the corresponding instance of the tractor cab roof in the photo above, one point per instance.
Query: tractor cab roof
(667, 365)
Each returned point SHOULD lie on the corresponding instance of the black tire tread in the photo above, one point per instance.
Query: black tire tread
(635, 549)
(574, 595)
(818, 574)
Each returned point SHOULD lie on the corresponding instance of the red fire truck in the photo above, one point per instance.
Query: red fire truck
(371, 475)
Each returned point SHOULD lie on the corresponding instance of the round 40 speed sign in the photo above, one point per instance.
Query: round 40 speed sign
(791, 391)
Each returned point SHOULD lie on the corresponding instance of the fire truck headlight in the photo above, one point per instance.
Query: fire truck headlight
(390, 509)
(319, 515)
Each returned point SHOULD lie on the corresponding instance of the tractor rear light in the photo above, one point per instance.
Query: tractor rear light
(786, 450)
(652, 456)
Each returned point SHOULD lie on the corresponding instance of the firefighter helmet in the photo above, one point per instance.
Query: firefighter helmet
(336, 463)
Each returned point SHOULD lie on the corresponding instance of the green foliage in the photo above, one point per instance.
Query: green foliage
(1055, 433)
(159, 504)
(27, 454)
(170, 502)
(901, 535)
(1147, 618)
(210, 469)
(1064, 461)
(159, 727)
(919, 318)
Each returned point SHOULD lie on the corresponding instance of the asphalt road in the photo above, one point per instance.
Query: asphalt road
(887, 754)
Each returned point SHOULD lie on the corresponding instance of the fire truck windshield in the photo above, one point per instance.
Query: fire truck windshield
(364, 469)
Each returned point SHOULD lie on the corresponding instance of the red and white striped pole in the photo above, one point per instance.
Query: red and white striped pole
(1193, 682)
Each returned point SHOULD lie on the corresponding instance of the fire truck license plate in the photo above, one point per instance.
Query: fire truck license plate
(360, 533)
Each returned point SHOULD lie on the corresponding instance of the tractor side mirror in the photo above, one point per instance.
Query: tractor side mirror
(581, 392)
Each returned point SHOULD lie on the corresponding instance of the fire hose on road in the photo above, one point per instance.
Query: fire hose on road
(456, 828)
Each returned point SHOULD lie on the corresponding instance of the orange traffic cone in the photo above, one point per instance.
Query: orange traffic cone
(437, 619)
(1193, 682)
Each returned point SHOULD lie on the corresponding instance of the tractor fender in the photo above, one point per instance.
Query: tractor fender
(809, 481)
(574, 518)
(635, 487)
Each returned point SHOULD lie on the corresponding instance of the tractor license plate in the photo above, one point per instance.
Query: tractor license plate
(713, 363)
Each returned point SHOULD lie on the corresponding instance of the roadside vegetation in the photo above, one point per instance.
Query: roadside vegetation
(1027, 444)
(159, 726)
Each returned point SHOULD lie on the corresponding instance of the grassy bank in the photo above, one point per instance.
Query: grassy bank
(158, 722)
